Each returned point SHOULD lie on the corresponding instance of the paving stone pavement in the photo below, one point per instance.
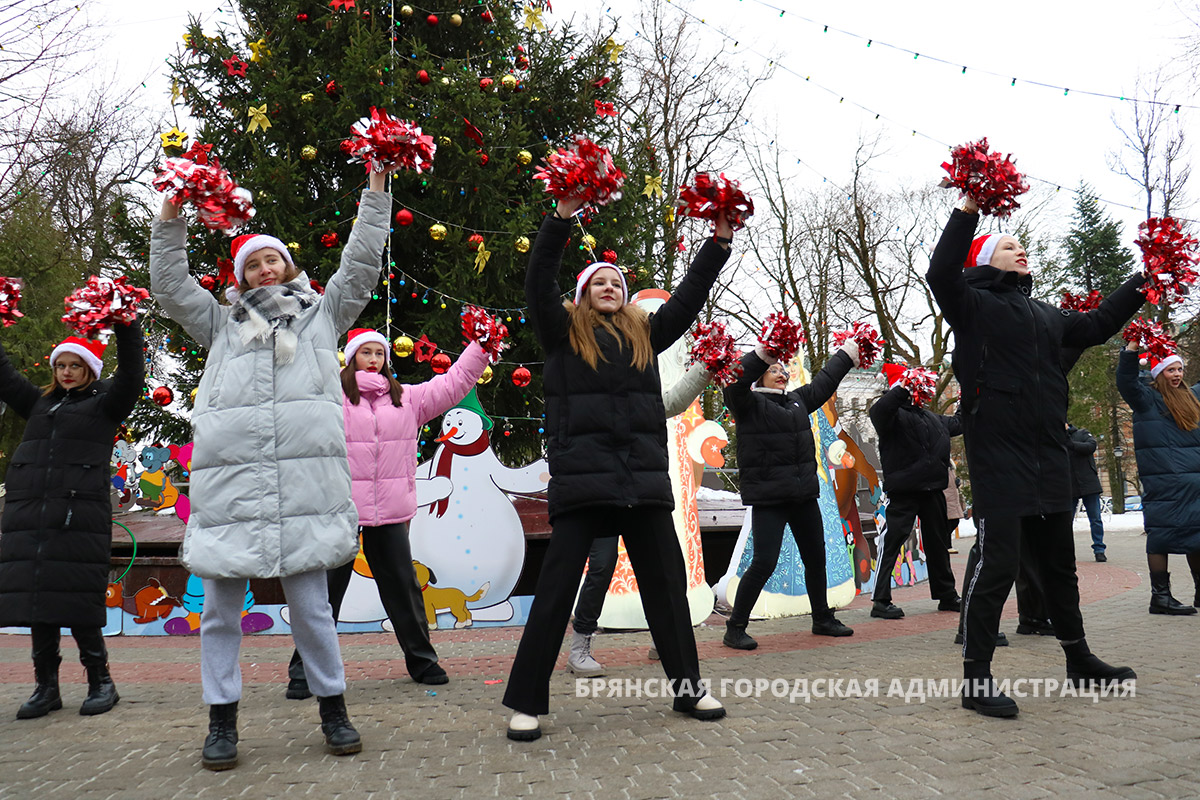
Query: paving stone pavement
(448, 741)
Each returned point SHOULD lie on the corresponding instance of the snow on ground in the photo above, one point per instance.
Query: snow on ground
(1129, 522)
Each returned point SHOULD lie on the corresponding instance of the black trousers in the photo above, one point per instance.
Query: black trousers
(658, 565)
(903, 509)
(766, 530)
(45, 640)
(989, 579)
(602, 562)
(389, 556)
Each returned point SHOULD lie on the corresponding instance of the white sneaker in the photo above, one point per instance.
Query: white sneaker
(524, 727)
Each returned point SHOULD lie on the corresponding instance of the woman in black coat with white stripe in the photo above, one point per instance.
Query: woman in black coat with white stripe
(56, 529)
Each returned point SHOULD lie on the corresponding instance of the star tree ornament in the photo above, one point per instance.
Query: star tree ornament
(235, 67)
(173, 141)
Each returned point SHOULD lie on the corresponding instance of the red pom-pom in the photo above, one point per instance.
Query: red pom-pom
(94, 308)
(1081, 302)
(585, 171)
(781, 337)
(1150, 337)
(489, 331)
(521, 377)
(197, 178)
(383, 142)
(712, 199)
(1169, 255)
(987, 178)
(870, 343)
(714, 348)
(921, 382)
(10, 296)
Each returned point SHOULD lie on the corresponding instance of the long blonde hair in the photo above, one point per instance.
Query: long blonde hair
(628, 324)
(1181, 402)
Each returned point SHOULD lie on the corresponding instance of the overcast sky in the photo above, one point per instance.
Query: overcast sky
(1096, 46)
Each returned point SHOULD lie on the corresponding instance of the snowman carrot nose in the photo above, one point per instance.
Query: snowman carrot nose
(450, 434)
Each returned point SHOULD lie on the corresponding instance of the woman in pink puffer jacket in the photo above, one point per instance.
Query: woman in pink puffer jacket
(383, 422)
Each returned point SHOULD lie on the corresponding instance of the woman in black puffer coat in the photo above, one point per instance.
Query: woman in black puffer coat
(777, 470)
(607, 448)
(56, 530)
(1166, 439)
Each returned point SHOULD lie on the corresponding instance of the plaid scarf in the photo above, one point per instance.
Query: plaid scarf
(269, 310)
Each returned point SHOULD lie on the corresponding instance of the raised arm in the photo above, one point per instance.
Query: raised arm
(173, 288)
(1137, 394)
(1101, 324)
(349, 290)
(678, 314)
(543, 297)
(130, 376)
(814, 395)
(438, 395)
(883, 411)
(754, 364)
(15, 389)
(677, 399)
(945, 275)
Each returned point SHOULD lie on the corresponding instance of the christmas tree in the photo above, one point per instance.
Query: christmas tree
(277, 92)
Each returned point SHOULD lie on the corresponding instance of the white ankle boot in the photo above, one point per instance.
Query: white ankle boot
(524, 727)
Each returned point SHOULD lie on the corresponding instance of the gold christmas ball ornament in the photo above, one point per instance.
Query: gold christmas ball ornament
(445, 81)
(341, 359)
(307, 97)
(406, 11)
(456, 20)
(444, 141)
(308, 152)
(589, 241)
(402, 346)
(437, 232)
(521, 244)
(294, 247)
(486, 376)
(524, 157)
(193, 394)
(509, 82)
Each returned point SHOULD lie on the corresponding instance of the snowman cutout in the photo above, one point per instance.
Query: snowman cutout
(473, 539)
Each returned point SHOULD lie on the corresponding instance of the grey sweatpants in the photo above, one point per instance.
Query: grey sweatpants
(313, 631)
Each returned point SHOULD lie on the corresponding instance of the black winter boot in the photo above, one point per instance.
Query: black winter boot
(93, 654)
(1027, 626)
(340, 737)
(981, 694)
(297, 688)
(1084, 670)
(828, 625)
(220, 747)
(1161, 601)
(1196, 580)
(46, 658)
(737, 638)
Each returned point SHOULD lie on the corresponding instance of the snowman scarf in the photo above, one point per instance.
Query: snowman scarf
(268, 310)
(444, 458)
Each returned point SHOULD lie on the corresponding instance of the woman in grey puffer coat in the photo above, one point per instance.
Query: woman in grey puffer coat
(270, 482)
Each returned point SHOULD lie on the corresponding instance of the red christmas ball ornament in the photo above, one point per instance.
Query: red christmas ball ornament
(521, 377)
(347, 146)
(485, 83)
(483, 159)
(329, 239)
(440, 363)
(331, 87)
(404, 217)
(487, 15)
(432, 19)
(474, 240)
(522, 62)
(610, 256)
(423, 76)
(302, 17)
(208, 282)
(162, 396)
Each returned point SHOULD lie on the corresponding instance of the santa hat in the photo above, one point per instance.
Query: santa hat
(245, 246)
(581, 281)
(893, 372)
(982, 248)
(360, 336)
(1157, 365)
(92, 352)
